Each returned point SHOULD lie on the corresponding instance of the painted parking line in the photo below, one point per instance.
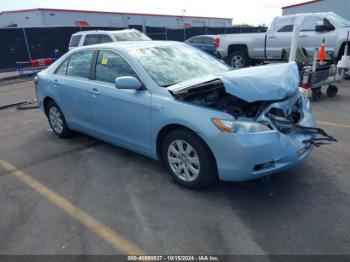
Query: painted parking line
(104, 232)
(332, 124)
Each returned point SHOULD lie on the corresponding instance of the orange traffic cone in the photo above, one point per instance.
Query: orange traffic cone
(322, 54)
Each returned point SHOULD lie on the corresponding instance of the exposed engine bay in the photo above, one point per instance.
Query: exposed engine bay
(212, 94)
(283, 115)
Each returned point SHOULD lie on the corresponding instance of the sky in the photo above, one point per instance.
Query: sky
(242, 11)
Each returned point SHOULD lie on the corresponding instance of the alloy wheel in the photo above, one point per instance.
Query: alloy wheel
(237, 61)
(183, 160)
(56, 119)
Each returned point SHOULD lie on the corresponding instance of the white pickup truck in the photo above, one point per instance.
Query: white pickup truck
(241, 50)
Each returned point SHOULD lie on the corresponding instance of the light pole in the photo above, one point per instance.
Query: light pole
(127, 21)
(182, 22)
(26, 40)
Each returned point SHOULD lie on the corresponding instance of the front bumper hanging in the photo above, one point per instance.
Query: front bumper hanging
(319, 136)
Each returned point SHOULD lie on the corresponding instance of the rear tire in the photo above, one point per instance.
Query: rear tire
(238, 59)
(188, 159)
(347, 74)
(332, 91)
(57, 120)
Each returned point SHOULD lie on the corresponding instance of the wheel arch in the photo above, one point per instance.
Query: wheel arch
(341, 51)
(171, 127)
(237, 47)
(46, 102)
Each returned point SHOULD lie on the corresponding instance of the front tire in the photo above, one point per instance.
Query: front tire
(57, 121)
(188, 159)
(238, 59)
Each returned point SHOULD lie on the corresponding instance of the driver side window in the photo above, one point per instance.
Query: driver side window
(310, 23)
(110, 65)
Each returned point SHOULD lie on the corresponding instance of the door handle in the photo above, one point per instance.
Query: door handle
(94, 92)
(303, 36)
(157, 106)
(55, 82)
(272, 36)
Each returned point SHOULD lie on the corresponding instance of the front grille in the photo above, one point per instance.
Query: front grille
(285, 119)
(263, 166)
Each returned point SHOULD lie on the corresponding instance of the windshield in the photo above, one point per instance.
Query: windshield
(338, 20)
(131, 36)
(168, 65)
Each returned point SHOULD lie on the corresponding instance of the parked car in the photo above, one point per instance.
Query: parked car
(172, 102)
(203, 42)
(241, 50)
(93, 37)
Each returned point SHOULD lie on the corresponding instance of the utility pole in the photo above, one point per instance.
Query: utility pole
(182, 22)
(26, 42)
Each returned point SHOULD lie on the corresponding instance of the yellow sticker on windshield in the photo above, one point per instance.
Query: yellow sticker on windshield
(104, 61)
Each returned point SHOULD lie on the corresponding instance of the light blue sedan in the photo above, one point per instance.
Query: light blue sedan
(172, 102)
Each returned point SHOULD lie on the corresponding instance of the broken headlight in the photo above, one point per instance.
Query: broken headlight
(232, 126)
(305, 94)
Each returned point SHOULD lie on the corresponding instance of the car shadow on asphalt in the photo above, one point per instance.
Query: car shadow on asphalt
(298, 211)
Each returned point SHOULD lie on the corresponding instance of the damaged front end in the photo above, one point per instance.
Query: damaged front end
(212, 94)
(293, 116)
(269, 125)
(267, 96)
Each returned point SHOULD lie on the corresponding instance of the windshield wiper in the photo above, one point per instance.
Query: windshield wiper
(167, 85)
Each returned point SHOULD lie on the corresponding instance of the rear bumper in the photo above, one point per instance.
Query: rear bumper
(218, 55)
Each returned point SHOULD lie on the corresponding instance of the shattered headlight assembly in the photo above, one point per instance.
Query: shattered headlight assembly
(233, 126)
(305, 93)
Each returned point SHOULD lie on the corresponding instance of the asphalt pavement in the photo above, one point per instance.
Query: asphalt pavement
(305, 210)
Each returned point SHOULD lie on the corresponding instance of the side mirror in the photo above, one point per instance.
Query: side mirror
(324, 28)
(128, 82)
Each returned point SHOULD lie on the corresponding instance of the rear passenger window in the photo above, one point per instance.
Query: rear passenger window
(74, 42)
(111, 65)
(197, 40)
(79, 64)
(105, 39)
(208, 41)
(62, 69)
(311, 22)
(92, 39)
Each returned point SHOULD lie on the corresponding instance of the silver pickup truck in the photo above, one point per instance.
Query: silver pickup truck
(241, 50)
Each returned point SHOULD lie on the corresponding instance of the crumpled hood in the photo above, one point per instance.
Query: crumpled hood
(260, 83)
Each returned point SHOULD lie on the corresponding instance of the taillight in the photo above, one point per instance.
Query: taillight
(217, 42)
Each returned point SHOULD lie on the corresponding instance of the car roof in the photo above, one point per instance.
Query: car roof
(308, 14)
(105, 31)
(129, 45)
(203, 36)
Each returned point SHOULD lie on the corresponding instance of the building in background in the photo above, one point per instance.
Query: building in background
(60, 17)
(340, 7)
